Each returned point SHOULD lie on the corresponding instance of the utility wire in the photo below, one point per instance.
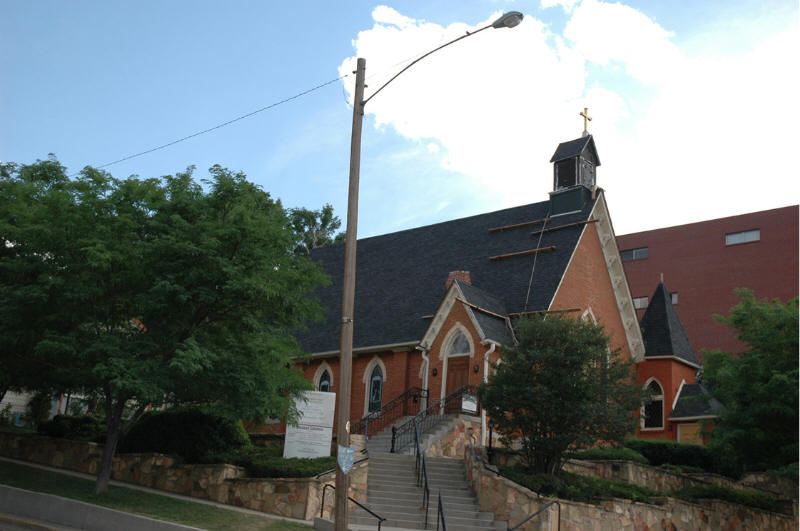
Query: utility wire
(229, 122)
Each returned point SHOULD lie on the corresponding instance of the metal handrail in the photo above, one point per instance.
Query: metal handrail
(440, 514)
(407, 403)
(322, 506)
(334, 470)
(422, 476)
(530, 517)
(402, 435)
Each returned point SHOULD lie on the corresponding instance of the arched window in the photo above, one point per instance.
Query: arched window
(653, 418)
(375, 389)
(325, 382)
(459, 346)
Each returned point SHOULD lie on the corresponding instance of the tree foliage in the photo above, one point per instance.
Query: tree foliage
(559, 390)
(151, 290)
(315, 228)
(759, 386)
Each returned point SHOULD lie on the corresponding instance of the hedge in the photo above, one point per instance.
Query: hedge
(268, 462)
(577, 488)
(83, 428)
(612, 452)
(660, 452)
(194, 435)
(759, 500)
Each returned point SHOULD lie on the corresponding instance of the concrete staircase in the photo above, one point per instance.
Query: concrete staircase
(392, 493)
(382, 442)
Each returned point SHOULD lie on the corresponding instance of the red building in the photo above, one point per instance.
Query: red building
(703, 263)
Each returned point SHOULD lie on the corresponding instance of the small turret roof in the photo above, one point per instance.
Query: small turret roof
(574, 148)
(662, 330)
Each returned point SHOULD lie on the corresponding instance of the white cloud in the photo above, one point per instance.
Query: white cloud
(566, 5)
(682, 136)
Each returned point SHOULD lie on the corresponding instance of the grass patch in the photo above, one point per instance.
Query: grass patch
(759, 500)
(138, 502)
(612, 452)
(268, 462)
(577, 488)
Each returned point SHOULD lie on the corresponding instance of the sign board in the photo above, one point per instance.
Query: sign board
(312, 435)
(345, 458)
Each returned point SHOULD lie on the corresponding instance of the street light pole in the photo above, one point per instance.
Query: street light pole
(348, 297)
(508, 20)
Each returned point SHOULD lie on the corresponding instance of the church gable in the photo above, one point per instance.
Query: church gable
(594, 281)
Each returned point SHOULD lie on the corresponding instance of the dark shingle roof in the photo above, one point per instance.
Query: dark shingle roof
(494, 328)
(573, 148)
(401, 276)
(662, 330)
(694, 400)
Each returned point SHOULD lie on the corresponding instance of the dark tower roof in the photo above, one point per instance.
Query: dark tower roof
(662, 330)
(575, 148)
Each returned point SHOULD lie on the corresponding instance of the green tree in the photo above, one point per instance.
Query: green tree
(758, 387)
(315, 228)
(149, 291)
(559, 390)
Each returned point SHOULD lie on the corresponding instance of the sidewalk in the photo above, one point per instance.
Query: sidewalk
(149, 490)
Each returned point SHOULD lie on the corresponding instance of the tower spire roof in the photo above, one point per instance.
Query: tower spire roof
(663, 331)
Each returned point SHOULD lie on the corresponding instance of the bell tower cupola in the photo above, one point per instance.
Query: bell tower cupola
(574, 171)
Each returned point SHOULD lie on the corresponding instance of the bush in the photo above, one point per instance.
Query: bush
(660, 452)
(38, 409)
(789, 471)
(577, 488)
(612, 452)
(83, 428)
(194, 435)
(759, 500)
(268, 462)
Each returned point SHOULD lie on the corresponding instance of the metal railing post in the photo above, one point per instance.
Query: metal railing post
(394, 435)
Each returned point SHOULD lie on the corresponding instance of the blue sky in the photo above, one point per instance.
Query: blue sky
(694, 104)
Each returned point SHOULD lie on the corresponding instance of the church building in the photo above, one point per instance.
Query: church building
(434, 305)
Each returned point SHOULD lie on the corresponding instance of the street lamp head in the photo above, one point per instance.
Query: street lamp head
(508, 20)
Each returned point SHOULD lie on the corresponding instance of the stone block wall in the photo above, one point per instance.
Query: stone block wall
(223, 483)
(513, 503)
(456, 440)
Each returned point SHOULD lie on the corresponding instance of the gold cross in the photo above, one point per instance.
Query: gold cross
(586, 120)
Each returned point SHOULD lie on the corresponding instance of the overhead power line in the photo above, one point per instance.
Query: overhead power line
(229, 122)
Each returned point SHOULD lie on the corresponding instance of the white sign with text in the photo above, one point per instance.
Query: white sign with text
(312, 435)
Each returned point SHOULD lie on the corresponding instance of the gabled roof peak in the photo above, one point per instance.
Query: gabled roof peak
(574, 148)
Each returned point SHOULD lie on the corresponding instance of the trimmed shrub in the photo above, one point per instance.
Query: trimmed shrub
(83, 428)
(759, 500)
(194, 435)
(577, 488)
(612, 452)
(268, 462)
(660, 452)
(789, 471)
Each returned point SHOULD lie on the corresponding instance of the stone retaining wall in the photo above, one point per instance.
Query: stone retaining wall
(456, 441)
(513, 503)
(292, 497)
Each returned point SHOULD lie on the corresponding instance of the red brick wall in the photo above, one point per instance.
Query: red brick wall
(458, 314)
(704, 271)
(402, 372)
(669, 374)
(586, 284)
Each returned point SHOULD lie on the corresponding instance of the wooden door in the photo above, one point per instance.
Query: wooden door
(457, 376)
(690, 433)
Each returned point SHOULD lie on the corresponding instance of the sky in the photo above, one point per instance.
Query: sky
(694, 104)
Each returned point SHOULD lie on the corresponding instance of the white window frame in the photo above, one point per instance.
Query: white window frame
(656, 397)
(640, 303)
(367, 378)
(320, 371)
